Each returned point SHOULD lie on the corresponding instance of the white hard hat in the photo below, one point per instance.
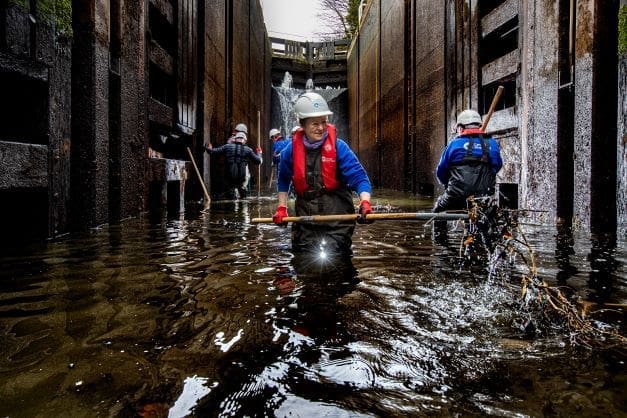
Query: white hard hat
(274, 132)
(311, 105)
(469, 117)
(241, 127)
(241, 136)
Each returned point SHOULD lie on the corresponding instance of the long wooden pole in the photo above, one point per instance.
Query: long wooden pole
(410, 216)
(495, 100)
(258, 146)
(202, 182)
(271, 178)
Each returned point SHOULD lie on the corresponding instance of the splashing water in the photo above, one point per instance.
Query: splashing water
(286, 95)
(287, 81)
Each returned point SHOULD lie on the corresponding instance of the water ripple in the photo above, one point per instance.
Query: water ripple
(213, 316)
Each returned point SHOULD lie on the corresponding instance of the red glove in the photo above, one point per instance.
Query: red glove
(364, 209)
(281, 212)
(258, 150)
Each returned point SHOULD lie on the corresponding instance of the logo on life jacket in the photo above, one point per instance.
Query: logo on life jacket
(469, 146)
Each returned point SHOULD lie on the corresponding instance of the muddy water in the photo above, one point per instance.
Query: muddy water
(213, 316)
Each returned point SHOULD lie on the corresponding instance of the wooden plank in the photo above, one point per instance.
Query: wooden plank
(500, 67)
(160, 113)
(165, 8)
(161, 58)
(497, 17)
(186, 82)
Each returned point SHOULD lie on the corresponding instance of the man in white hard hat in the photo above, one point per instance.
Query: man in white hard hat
(468, 165)
(325, 172)
(240, 127)
(237, 155)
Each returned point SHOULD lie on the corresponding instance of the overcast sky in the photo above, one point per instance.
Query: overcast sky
(291, 19)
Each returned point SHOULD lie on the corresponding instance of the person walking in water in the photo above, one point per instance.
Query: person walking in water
(325, 172)
(468, 165)
(278, 143)
(237, 155)
(241, 127)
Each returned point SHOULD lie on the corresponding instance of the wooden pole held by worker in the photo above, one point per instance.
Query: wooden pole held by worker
(258, 146)
(202, 182)
(495, 100)
(271, 178)
(410, 216)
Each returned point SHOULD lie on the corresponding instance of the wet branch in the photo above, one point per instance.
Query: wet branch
(497, 233)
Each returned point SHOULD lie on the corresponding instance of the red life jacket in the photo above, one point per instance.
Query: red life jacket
(328, 163)
(472, 131)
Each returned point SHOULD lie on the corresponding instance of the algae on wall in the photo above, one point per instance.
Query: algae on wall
(57, 12)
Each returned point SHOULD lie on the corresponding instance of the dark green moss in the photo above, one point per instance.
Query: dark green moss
(21, 3)
(58, 12)
(63, 14)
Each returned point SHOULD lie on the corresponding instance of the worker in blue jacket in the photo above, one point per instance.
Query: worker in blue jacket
(278, 143)
(324, 172)
(469, 164)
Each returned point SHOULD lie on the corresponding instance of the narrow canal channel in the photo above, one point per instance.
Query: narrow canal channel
(212, 316)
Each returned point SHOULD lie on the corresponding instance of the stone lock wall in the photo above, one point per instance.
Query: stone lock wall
(560, 122)
(108, 96)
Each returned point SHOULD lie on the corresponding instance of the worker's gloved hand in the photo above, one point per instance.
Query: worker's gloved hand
(281, 212)
(259, 151)
(364, 209)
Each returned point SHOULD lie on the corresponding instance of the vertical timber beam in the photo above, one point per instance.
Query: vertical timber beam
(90, 130)
(603, 160)
(565, 111)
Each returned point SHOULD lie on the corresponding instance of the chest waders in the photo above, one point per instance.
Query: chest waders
(237, 166)
(337, 236)
(476, 172)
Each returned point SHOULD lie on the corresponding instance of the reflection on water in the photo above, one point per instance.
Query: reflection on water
(214, 316)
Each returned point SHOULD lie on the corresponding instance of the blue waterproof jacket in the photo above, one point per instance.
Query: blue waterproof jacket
(277, 147)
(456, 152)
(350, 172)
(468, 167)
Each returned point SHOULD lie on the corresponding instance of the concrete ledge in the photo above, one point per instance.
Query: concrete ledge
(163, 169)
(23, 165)
(162, 174)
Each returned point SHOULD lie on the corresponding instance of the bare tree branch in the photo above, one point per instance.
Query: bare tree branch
(333, 19)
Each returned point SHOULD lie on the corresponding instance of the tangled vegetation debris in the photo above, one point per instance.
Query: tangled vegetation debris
(495, 234)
